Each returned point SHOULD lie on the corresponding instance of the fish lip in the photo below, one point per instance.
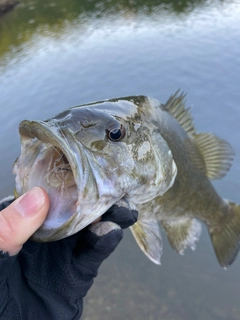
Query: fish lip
(45, 133)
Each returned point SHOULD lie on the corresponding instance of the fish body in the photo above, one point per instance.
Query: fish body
(138, 151)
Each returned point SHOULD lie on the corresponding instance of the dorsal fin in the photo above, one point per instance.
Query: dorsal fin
(216, 153)
(176, 107)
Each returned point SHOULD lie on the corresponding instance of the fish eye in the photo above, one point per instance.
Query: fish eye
(116, 134)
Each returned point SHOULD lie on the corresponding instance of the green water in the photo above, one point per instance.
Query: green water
(58, 54)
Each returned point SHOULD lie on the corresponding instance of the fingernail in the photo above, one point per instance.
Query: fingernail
(29, 204)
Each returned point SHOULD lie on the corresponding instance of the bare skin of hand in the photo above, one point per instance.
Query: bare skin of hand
(22, 218)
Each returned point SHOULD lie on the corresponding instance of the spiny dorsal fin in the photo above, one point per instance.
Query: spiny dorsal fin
(182, 233)
(176, 107)
(217, 154)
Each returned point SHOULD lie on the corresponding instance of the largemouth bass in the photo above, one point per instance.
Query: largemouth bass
(137, 151)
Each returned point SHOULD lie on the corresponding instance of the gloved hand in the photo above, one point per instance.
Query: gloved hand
(49, 280)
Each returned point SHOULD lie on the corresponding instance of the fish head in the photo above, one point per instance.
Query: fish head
(89, 157)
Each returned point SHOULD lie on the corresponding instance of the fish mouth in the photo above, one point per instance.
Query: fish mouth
(50, 159)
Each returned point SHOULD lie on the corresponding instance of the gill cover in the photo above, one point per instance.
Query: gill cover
(147, 231)
(162, 169)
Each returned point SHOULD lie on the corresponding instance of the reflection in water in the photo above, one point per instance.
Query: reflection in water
(51, 18)
(6, 5)
(56, 54)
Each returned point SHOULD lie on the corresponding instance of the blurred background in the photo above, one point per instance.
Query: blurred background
(58, 54)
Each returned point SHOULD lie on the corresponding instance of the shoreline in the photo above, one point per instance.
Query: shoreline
(7, 5)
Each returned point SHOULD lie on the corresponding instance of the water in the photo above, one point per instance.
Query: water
(58, 54)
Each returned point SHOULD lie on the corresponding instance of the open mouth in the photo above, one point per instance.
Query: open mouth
(44, 162)
(59, 173)
(58, 181)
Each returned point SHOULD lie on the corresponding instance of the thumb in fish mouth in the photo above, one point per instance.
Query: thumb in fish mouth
(22, 218)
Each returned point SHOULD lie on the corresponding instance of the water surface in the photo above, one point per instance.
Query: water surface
(58, 54)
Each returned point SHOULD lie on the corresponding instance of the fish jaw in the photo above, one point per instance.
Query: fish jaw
(50, 158)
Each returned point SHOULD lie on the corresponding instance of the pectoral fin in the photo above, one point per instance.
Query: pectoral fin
(148, 237)
(182, 233)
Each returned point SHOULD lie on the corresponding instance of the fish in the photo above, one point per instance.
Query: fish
(137, 152)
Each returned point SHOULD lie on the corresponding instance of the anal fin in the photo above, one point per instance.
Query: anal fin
(182, 233)
(148, 237)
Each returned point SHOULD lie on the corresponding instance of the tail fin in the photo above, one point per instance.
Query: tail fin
(226, 236)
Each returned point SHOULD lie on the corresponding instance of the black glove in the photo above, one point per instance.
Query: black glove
(48, 281)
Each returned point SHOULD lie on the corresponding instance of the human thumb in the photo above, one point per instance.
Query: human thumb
(22, 218)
